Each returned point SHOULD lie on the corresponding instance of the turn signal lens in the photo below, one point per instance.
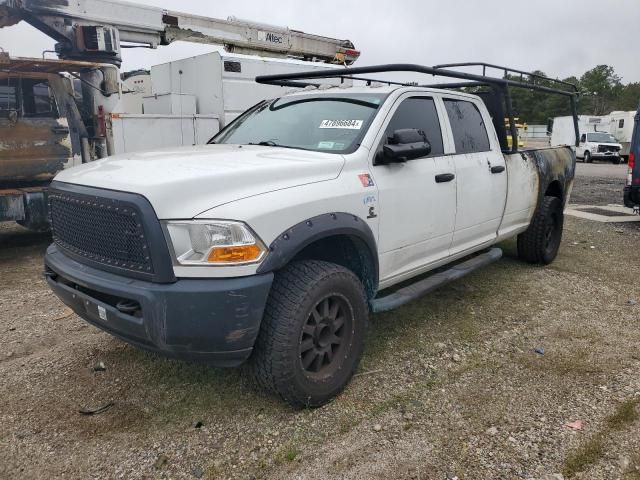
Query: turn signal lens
(240, 253)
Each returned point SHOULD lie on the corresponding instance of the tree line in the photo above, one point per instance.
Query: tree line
(601, 92)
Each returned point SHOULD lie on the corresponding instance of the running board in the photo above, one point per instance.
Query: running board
(429, 284)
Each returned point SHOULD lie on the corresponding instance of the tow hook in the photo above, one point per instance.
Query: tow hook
(128, 307)
(49, 274)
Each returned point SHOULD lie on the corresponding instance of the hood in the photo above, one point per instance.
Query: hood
(609, 144)
(182, 182)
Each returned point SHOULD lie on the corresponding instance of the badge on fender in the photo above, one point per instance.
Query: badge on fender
(366, 180)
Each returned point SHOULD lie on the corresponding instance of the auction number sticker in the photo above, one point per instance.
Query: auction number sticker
(348, 124)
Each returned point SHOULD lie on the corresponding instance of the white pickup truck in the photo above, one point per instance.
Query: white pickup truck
(273, 242)
(598, 146)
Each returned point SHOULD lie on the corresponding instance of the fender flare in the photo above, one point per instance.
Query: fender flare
(293, 240)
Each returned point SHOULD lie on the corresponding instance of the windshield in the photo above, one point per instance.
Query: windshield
(601, 137)
(323, 123)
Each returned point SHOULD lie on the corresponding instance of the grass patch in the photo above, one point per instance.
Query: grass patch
(589, 453)
(286, 454)
(625, 414)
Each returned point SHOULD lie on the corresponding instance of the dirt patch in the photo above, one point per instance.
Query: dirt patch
(478, 380)
(450, 385)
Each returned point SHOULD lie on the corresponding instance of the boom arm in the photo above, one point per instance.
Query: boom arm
(93, 29)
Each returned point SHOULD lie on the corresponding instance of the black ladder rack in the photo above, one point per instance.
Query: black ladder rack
(500, 85)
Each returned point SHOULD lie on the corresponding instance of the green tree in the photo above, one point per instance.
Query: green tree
(629, 97)
(601, 88)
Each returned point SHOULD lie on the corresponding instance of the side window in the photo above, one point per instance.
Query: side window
(621, 123)
(419, 113)
(37, 99)
(469, 131)
(583, 138)
(8, 96)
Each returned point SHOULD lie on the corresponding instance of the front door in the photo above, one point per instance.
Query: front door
(417, 198)
(481, 175)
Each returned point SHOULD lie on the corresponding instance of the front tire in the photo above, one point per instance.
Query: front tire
(541, 241)
(587, 157)
(312, 334)
(617, 160)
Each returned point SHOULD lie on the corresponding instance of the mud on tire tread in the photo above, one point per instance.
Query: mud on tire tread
(531, 243)
(294, 287)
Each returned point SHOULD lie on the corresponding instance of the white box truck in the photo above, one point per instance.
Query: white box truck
(621, 127)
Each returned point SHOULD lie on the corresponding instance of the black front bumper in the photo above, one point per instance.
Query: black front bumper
(213, 320)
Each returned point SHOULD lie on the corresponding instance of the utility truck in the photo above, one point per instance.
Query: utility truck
(58, 113)
(274, 242)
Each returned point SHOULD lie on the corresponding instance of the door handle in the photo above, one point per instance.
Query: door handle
(445, 177)
(498, 169)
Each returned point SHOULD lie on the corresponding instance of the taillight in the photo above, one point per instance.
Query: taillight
(632, 163)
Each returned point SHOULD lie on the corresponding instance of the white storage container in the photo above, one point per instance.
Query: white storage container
(169, 104)
(224, 84)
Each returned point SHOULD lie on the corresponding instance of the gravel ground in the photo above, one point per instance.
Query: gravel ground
(598, 183)
(450, 386)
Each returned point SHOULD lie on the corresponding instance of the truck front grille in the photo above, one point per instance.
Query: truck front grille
(103, 230)
(607, 149)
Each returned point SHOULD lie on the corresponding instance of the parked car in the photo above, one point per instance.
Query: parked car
(598, 146)
(632, 185)
(273, 242)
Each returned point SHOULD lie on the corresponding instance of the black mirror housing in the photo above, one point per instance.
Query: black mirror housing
(406, 144)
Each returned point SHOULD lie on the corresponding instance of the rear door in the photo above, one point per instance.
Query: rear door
(480, 173)
(417, 198)
(34, 141)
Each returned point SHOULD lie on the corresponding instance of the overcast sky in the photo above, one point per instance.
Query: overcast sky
(560, 37)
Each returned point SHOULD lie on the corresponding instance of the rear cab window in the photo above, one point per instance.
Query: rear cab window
(8, 96)
(37, 100)
(26, 97)
(467, 125)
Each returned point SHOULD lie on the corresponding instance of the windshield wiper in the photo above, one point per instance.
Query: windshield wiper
(271, 143)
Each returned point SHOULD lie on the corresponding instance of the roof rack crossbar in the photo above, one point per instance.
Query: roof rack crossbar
(405, 67)
(501, 84)
(506, 71)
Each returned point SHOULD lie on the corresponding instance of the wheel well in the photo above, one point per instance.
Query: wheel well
(348, 251)
(554, 190)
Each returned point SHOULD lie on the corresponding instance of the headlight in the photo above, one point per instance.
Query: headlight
(214, 243)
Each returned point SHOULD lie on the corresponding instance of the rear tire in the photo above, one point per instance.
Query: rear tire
(587, 157)
(312, 334)
(541, 241)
